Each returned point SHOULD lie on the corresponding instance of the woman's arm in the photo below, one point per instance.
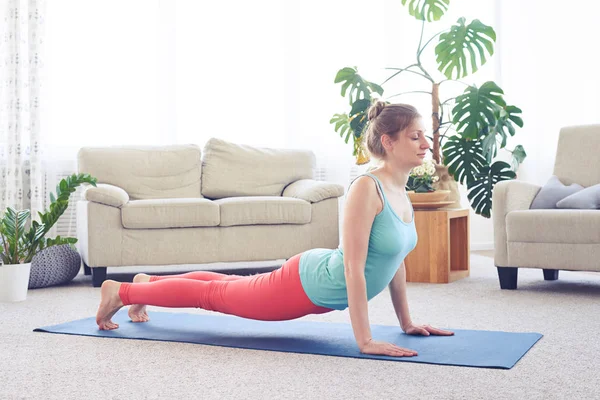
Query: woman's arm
(361, 207)
(360, 210)
(399, 299)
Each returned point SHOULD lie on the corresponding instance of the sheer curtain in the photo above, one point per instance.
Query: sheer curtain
(21, 77)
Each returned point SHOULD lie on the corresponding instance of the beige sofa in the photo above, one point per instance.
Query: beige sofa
(177, 205)
(549, 239)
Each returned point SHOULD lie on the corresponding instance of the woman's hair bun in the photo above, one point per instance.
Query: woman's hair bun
(376, 109)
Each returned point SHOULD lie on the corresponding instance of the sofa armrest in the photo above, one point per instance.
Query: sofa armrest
(507, 196)
(313, 191)
(109, 195)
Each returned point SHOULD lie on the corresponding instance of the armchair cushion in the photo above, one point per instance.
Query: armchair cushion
(109, 195)
(552, 192)
(169, 213)
(588, 198)
(554, 226)
(259, 210)
(313, 191)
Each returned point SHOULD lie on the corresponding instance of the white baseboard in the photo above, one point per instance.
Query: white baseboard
(482, 246)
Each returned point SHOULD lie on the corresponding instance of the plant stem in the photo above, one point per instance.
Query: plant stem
(421, 37)
(404, 69)
(447, 100)
(446, 131)
(453, 80)
(425, 45)
(5, 244)
(412, 91)
(435, 119)
(419, 53)
(16, 257)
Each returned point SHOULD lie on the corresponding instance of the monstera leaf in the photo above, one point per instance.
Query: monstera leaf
(359, 88)
(504, 121)
(453, 46)
(463, 158)
(359, 117)
(518, 156)
(505, 117)
(433, 10)
(342, 125)
(480, 190)
(489, 145)
(475, 109)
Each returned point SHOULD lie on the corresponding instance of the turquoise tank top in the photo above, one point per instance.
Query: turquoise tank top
(391, 239)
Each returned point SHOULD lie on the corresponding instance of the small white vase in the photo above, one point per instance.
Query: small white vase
(14, 282)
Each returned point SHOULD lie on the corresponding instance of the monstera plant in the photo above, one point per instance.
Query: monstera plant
(467, 130)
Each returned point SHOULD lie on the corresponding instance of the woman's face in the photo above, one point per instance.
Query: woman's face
(410, 147)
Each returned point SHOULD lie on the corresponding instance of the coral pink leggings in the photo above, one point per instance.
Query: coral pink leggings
(271, 296)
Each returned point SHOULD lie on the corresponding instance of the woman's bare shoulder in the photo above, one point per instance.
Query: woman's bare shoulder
(364, 185)
(363, 192)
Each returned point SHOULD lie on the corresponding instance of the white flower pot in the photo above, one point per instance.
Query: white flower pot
(14, 282)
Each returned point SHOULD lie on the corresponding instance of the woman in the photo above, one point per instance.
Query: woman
(378, 232)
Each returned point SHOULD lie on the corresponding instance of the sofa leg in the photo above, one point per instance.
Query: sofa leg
(98, 276)
(86, 270)
(550, 274)
(508, 277)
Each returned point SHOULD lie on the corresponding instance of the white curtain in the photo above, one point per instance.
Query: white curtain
(21, 66)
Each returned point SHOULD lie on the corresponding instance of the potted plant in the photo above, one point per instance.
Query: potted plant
(469, 129)
(19, 243)
(420, 188)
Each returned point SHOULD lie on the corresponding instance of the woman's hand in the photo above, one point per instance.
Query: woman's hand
(425, 330)
(386, 349)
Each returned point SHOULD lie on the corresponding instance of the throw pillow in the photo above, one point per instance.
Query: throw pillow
(552, 192)
(586, 199)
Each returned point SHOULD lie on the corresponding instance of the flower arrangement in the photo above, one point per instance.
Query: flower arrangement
(422, 177)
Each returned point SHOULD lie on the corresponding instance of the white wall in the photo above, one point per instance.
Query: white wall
(550, 68)
(181, 71)
(322, 37)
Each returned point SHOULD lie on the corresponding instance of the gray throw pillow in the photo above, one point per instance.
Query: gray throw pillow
(586, 199)
(552, 192)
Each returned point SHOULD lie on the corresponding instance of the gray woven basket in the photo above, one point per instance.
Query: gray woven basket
(54, 265)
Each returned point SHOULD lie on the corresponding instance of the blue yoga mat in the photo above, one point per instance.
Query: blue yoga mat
(489, 349)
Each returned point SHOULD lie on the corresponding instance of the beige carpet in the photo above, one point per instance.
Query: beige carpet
(564, 364)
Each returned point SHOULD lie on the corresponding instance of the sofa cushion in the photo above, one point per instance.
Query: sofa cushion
(553, 226)
(146, 172)
(230, 170)
(169, 213)
(260, 210)
(586, 199)
(552, 192)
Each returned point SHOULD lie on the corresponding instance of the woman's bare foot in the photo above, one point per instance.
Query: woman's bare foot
(110, 303)
(137, 312)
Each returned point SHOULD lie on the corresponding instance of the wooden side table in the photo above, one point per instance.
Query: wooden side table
(442, 251)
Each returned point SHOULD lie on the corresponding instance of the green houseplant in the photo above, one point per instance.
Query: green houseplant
(469, 129)
(19, 243)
